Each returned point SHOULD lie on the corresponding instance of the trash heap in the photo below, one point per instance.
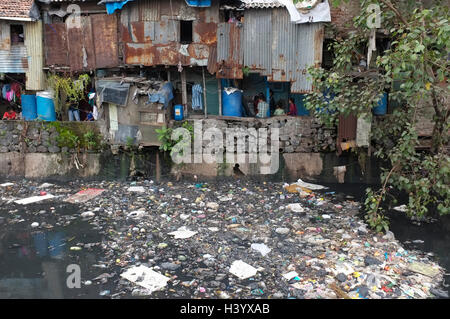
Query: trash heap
(234, 239)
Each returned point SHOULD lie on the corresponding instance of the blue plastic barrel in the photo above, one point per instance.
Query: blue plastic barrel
(178, 112)
(29, 107)
(381, 109)
(232, 103)
(45, 107)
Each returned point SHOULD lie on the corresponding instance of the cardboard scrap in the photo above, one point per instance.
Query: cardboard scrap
(146, 277)
(33, 199)
(84, 195)
(242, 270)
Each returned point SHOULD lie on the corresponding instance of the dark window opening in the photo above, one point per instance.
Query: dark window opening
(186, 32)
(17, 36)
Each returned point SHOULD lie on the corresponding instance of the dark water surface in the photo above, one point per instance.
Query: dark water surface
(33, 263)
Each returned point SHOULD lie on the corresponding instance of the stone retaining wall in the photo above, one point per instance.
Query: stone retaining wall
(37, 137)
(296, 134)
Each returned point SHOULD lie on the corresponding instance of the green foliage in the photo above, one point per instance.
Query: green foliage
(130, 142)
(90, 140)
(374, 216)
(416, 70)
(67, 90)
(165, 137)
(71, 139)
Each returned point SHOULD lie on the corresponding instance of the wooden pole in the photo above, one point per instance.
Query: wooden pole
(219, 86)
(158, 167)
(204, 92)
(184, 91)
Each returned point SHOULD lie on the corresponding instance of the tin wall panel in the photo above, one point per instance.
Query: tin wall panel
(104, 27)
(258, 41)
(55, 48)
(306, 57)
(229, 51)
(15, 60)
(5, 36)
(81, 46)
(35, 77)
(149, 10)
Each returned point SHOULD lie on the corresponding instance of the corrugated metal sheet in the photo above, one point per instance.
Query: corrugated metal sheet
(152, 43)
(93, 46)
(34, 43)
(149, 10)
(258, 41)
(15, 60)
(273, 47)
(346, 130)
(81, 46)
(229, 53)
(55, 48)
(104, 28)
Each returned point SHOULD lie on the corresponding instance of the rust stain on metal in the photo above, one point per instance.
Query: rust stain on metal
(25, 63)
(55, 39)
(232, 68)
(212, 59)
(106, 40)
(207, 32)
(346, 130)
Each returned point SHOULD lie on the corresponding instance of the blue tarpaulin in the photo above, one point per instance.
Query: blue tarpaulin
(113, 5)
(163, 96)
(199, 3)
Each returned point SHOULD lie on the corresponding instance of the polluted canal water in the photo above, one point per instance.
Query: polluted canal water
(223, 239)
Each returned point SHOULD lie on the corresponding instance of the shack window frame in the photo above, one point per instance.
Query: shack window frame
(186, 31)
(12, 29)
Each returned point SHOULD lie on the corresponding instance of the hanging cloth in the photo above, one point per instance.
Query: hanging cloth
(197, 102)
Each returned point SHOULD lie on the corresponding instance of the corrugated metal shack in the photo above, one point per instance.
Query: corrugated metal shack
(21, 49)
(185, 43)
(268, 43)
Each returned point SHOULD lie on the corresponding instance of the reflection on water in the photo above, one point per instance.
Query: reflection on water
(33, 263)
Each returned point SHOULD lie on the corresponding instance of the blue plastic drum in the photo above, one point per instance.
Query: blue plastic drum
(29, 107)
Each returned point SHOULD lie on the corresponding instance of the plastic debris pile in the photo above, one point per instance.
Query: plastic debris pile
(232, 239)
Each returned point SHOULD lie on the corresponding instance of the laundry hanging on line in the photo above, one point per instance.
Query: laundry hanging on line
(197, 102)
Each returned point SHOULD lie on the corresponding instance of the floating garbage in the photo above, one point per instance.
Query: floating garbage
(84, 195)
(261, 248)
(242, 270)
(146, 277)
(238, 240)
(33, 199)
(182, 233)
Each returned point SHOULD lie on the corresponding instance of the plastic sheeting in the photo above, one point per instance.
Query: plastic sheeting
(163, 96)
(112, 6)
(113, 92)
(199, 3)
(319, 13)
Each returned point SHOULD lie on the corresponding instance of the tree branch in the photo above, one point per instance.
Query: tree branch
(397, 13)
